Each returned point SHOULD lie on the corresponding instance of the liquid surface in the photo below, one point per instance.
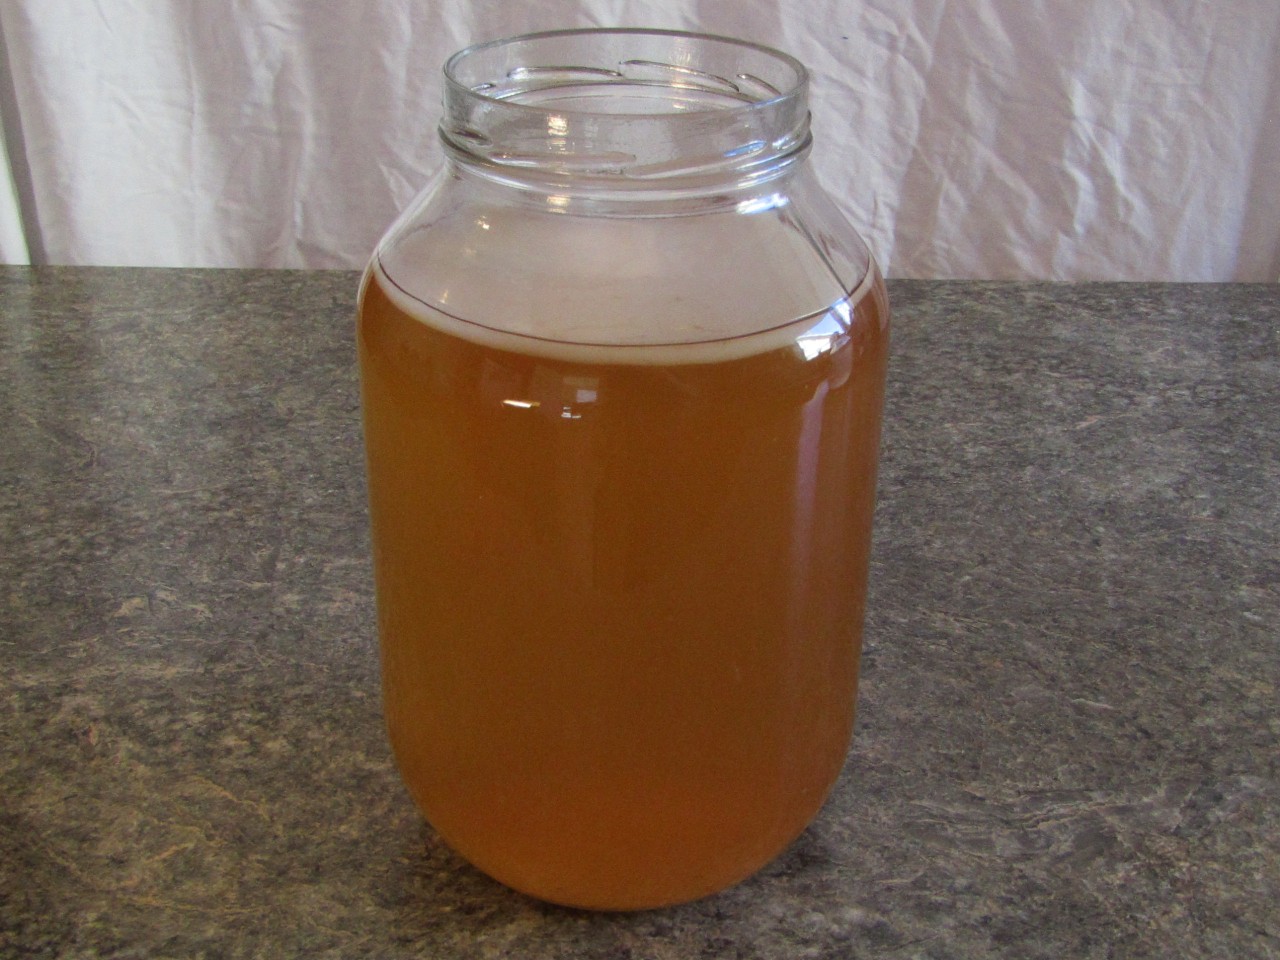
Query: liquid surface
(538, 274)
(620, 603)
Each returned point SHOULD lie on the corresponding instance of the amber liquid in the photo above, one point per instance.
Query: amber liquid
(620, 600)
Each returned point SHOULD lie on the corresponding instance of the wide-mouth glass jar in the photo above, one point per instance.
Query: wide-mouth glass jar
(622, 368)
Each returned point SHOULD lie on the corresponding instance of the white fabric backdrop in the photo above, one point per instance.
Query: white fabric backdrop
(1063, 139)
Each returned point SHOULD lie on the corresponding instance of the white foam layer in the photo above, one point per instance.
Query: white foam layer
(636, 290)
(814, 331)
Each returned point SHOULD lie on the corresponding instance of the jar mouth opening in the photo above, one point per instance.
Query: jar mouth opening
(625, 73)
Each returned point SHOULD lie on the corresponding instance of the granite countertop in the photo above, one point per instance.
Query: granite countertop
(1068, 736)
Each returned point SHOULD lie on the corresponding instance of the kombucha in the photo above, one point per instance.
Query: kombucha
(620, 587)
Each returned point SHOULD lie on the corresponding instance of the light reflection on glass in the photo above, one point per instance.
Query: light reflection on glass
(578, 392)
(827, 333)
(549, 392)
(760, 204)
(557, 125)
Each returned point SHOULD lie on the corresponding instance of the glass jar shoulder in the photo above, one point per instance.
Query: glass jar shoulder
(562, 268)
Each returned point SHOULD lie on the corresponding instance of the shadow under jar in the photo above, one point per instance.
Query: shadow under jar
(622, 368)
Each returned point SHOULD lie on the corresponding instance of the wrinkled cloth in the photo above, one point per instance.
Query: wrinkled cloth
(1056, 139)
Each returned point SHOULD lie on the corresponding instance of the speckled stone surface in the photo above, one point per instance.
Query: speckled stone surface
(1068, 738)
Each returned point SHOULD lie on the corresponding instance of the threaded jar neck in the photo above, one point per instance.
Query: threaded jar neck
(626, 110)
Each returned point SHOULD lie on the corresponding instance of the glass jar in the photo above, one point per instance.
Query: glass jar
(622, 367)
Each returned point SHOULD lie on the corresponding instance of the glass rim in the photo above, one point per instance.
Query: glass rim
(796, 90)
